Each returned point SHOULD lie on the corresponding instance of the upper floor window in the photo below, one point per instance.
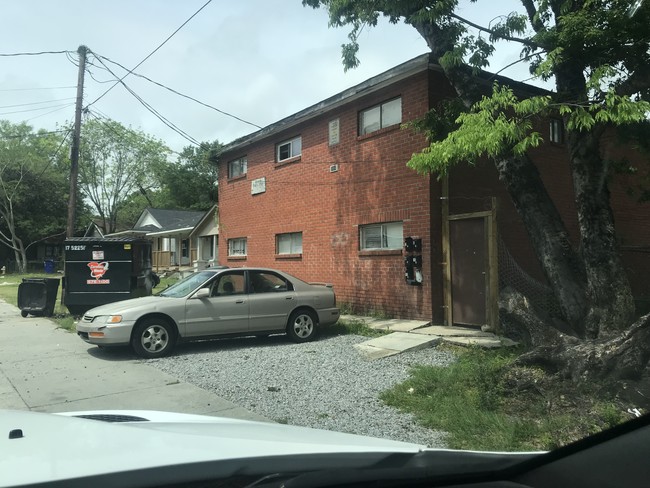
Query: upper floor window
(556, 132)
(238, 167)
(288, 149)
(289, 243)
(380, 116)
(382, 236)
(237, 247)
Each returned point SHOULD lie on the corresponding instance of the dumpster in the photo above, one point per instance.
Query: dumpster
(48, 264)
(37, 296)
(105, 270)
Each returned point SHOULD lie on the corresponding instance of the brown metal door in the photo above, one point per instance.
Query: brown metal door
(468, 271)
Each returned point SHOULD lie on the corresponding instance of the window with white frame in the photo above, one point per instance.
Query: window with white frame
(237, 167)
(381, 236)
(380, 116)
(237, 247)
(290, 243)
(288, 149)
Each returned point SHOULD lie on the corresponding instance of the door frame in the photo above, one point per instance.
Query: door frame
(492, 279)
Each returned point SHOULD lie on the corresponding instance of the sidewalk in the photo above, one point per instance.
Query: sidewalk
(46, 369)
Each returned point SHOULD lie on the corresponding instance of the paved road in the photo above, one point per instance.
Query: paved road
(46, 369)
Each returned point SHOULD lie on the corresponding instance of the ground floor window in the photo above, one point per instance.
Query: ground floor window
(381, 236)
(237, 247)
(290, 243)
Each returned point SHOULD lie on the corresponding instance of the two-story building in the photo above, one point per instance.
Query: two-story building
(325, 194)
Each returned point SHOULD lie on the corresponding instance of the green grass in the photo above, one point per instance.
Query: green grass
(473, 401)
(356, 327)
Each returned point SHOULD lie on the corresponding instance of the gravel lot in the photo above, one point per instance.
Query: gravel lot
(324, 384)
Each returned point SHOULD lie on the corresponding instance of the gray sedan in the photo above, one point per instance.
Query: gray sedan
(219, 302)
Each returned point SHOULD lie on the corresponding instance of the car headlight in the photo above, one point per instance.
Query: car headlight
(114, 319)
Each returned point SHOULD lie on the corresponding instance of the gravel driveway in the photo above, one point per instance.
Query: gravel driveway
(324, 384)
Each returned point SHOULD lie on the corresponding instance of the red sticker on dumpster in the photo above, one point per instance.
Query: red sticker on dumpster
(97, 270)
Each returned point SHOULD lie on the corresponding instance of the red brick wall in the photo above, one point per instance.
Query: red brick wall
(472, 186)
(372, 185)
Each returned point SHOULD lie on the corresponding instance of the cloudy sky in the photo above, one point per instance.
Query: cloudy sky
(260, 60)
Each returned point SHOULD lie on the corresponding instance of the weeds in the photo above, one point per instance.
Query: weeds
(472, 400)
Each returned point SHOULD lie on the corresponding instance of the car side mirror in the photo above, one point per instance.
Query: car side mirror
(202, 293)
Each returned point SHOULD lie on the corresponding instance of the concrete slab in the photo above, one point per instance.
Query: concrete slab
(486, 342)
(445, 331)
(394, 343)
(392, 325)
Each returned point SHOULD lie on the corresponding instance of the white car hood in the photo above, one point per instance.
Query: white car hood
(50, 447)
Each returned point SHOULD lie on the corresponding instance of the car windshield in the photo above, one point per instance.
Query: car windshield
(187, 285)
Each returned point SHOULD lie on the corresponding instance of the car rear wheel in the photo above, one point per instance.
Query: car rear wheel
(302, 326)
(153, 338)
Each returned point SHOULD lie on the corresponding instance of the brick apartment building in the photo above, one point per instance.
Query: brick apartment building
(325, 195)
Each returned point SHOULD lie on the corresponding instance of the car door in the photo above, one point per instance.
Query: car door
(271, 298)
(225, 311)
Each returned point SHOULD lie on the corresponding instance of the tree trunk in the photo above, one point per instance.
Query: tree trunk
(561, 265)
(611, 304)
(620, 357)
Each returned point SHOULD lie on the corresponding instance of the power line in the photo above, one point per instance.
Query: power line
(33, 53)
(160, 117)
(36, 103)
(151, 53)
(34, 109)
(48, 113)
(179, 93)
(56, 153)
(39, 134)
(34, 89)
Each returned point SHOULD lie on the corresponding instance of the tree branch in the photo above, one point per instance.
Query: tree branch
(636, 82)
(525, 42)
(537, 25)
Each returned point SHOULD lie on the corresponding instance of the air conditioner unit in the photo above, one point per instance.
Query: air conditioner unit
(334, 168)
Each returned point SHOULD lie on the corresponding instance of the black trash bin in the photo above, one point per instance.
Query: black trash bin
(37, 296)
(105, 270)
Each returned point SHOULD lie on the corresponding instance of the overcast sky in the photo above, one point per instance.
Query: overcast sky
(260, 60)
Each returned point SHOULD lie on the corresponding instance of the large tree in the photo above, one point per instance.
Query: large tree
(33, 187)
(115, 163)
(187, 183)
(597, 53)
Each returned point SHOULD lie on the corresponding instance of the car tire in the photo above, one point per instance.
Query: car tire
(302, 326)
(153, 338)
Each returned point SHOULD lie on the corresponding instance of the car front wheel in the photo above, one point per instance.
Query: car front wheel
(302, 326)
(153, 338)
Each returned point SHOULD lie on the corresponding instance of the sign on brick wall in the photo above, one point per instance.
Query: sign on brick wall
(258, 186)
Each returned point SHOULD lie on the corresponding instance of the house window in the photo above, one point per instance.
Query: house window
(556, 133)
(380, 116)
(382, 236)
(288, 149)
(237, 167)
(237, 247)
(289, 243)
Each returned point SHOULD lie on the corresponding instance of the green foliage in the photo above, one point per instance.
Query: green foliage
(115, 163)
(34, 185)
(190, 182)
(497, 125)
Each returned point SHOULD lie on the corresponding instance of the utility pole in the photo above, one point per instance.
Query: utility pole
(76, 135)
